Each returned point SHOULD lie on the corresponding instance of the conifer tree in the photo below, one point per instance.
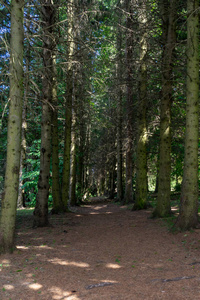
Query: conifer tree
(10, 194)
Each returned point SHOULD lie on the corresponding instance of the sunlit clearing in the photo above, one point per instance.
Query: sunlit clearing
(94, 213)
(60, 294)
(35, 286)
(8, 287)
(58, 261)
(113, 266)
(108, 212)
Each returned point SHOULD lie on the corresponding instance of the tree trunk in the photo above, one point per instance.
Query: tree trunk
(72, 196)
(41, 208)
(68, 109)
(168, 12)
(141, 151)
(188, 217)
(73, 199)
(10, 195)
(129, 104)
(21, 194)
(119, 112)
(56, 192)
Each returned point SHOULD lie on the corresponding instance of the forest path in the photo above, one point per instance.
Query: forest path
(101, 251)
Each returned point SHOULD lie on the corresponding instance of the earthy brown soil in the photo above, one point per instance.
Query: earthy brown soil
(101, 251)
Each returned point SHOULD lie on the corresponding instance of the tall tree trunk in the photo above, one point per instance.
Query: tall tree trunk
(80, 162)
(21, 194)
(141, 152)
(41, 208)
(68, 109)
(129, 104)
(119, 111)
(168, 12)
(10, 195)
(72, 196)
(56, 192)
(188, 217)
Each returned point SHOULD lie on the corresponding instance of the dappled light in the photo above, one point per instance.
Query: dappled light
(99, 150)
(22, 247)
(58, 293)
(69, 263)
(113, 266)
(114, 253)
(8, 287)
(35, 286)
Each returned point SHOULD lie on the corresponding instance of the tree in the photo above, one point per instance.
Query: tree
(56, 191)
(10, 195)
(48, 22)
(129, 103)
(119, 107)
(21, 194)
(141, 147)
(68, 108)
(168, 13)
(188, 217)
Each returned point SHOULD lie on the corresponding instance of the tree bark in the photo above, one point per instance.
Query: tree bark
(129, 105)
(188, 217)
(21, 194)
(11, 185)
(119, 112)
(56, 191)
(41, 208)
(141, 151)
(68, 109)
(168, 12)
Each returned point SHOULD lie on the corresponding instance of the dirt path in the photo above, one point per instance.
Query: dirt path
(102, 251)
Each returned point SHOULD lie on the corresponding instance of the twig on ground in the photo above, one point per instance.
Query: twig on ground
(174, 279)
(91, 286)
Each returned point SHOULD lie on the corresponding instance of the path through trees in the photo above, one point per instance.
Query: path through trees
(101, 251)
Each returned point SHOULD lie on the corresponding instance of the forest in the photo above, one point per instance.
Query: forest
(98, 98)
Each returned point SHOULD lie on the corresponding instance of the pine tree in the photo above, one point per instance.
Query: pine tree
(10, 195)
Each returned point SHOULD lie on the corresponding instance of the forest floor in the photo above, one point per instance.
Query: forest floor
(101, 251)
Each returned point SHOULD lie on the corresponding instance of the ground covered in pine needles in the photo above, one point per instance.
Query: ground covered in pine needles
(101, 251)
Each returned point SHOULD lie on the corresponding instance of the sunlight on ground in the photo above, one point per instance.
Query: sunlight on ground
(103, 281)
(113, 266)
(5, 263)
(36, 247)
(67, 263)
(22, 247)
(99, 207)
(60, 294)
(43, 247)
(35, 286)
(8, 287)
